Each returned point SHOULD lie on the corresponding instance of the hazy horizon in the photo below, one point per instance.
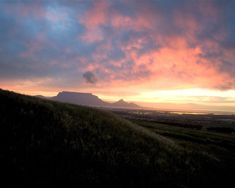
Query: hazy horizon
(171, 107)
(159, 54)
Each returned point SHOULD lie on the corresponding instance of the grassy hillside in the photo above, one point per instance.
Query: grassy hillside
(44, 142)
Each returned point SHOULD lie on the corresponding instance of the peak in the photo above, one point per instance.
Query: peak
(121, 101)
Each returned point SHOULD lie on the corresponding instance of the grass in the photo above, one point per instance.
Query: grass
(45, 142)
(219, 146)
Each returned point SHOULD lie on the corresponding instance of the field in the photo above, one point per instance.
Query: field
(48, 143)
(207, 134)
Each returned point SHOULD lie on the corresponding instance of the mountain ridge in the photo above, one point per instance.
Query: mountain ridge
(89, 99)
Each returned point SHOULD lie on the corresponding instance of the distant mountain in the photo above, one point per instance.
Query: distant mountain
(88, 99)
(124, 104)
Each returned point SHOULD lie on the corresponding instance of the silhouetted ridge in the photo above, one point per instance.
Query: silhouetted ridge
(88, 99)
(124, 104)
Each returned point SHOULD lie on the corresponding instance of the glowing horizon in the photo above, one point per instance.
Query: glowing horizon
(150, 52)
(179, 99)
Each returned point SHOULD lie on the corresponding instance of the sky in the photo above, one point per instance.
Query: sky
(155, 52)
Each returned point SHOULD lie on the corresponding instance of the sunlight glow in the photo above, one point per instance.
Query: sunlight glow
(191, 92)
(194, 95)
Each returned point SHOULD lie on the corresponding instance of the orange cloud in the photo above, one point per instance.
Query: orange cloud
(130, 46)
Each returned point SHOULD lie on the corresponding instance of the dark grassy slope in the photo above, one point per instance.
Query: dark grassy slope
(47, 142)
(220, 146)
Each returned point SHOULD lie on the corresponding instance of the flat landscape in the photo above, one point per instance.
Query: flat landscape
(211, 135)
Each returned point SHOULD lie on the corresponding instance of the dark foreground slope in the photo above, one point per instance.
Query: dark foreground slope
(44, 142)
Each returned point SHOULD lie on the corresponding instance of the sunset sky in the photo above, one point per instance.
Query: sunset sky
(160, 53)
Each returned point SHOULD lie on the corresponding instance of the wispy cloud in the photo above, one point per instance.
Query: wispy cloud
(146, 45)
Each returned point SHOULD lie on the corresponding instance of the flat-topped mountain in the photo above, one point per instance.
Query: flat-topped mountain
(88, 99)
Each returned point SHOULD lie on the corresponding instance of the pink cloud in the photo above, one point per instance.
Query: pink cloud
(97, 15)
(92, 35)
(177, 61)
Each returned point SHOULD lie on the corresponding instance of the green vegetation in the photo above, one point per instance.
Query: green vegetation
(45, 142)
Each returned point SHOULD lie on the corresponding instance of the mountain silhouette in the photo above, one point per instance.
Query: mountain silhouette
(124, 104)
(88, 99)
